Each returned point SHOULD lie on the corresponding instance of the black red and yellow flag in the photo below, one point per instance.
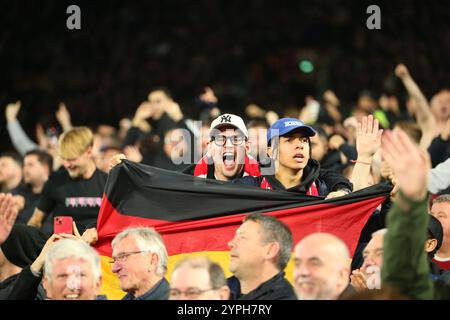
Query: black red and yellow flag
(196, 215)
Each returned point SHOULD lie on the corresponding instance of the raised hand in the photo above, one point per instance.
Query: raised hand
(115, 160)
(173, 110)
(358, 280)
(11, 111)
(368, 138)
(63, 117)
(8, 215)
(401, 71)
(208, 96)
(132, 153)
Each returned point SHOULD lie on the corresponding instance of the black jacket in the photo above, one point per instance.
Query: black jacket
(159, 292)
(27, 287)
(276, 288)
(326, 180)
(6, 286)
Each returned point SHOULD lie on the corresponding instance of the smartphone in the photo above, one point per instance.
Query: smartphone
(63, 224)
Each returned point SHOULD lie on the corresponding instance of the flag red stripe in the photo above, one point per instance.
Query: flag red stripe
(344, 220)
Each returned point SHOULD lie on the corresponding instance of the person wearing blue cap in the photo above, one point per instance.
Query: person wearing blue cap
(289, 147)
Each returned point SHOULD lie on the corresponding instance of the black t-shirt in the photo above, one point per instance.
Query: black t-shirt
(31, 201)
(78, 198)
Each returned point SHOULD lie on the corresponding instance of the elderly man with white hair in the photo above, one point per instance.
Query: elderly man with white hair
(72, 271)
(139, 258)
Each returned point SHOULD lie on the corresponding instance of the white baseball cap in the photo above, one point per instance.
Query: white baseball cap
(231, 120)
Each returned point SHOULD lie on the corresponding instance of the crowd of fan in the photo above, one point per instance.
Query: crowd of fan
(403, 251)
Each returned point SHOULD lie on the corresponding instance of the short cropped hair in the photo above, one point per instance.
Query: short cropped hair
(69, 248)
(43, 157)
(75, 142)
(147, 240)
(216, 275)
(412, 129)
(442, 198)
(14, 156)
(274, 230)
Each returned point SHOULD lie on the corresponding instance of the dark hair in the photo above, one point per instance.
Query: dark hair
(257, 123)
(321, 132)
(43, 157)
(274, 230)
(215, 271)
(14, 156)
(166, 91)
(412, 129)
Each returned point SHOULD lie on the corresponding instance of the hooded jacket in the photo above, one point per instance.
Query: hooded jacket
(326, 181)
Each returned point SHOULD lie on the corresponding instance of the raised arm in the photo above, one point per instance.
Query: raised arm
(18, 137)
(405, 265)
(425, 119)
(63, 116)
(37, 218)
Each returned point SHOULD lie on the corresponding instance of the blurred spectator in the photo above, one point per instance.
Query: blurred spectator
(257, 136)
(405, 265)
(441, 210)
(77, 189)
(198, 278)
(37, 167)
(10, 171)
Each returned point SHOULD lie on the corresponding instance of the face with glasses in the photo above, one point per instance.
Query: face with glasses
(189, 283)
(228, 147)
(134, 267)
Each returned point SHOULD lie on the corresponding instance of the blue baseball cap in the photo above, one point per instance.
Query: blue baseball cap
(286, 125)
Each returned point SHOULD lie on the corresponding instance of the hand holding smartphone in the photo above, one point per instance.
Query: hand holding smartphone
(63, 224)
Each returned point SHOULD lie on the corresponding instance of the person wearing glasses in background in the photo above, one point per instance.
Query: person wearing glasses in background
(139, 258)
(198, 278)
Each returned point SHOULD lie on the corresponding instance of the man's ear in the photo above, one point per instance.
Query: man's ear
(224, 293)
(273, 250)
(98, 285)
(46, 286)
(248, 144)
(269, 151)
(89, 151)
(430, 245)
(154, 261)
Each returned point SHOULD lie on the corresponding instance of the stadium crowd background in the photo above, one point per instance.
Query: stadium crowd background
(248, 52)
(317, 62)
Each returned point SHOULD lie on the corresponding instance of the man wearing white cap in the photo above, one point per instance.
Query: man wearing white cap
(227, 154)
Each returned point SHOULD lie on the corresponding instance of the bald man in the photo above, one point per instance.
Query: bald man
(322, 267)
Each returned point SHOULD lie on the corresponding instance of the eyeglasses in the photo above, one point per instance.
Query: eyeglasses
(191, 293)
(220, 141)
(124, 256)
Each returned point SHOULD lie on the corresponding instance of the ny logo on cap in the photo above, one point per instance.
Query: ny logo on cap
(225, 119)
